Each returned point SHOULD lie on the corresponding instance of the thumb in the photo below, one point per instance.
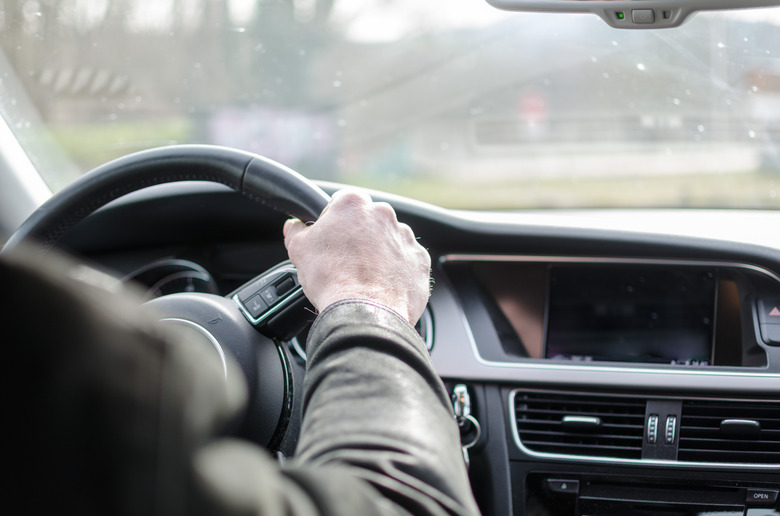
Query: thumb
(287, 225)
(291, 228)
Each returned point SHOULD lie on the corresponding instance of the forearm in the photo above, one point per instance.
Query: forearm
(375, 408)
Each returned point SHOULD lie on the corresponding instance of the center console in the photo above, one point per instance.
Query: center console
(573, 449)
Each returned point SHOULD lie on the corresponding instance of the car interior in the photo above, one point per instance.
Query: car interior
(601, 361)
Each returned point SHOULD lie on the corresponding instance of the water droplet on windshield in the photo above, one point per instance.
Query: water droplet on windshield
(336, 84)
(700, 128)
(751, 134)
(754, 89)
(641, 67)
(676, 101)
(721, 45)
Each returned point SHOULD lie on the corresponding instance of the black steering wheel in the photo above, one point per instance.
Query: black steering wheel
(228, 323)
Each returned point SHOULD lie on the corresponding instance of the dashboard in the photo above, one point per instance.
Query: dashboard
(610, 372)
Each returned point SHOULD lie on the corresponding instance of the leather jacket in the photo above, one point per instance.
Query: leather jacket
(113, 416)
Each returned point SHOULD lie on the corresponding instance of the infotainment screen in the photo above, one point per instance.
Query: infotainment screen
(628, 313)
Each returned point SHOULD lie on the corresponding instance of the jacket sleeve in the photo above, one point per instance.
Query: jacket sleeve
(378, 433)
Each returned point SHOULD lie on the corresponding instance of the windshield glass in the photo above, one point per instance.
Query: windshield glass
(447, 101)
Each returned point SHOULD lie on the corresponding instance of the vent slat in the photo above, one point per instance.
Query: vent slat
(626, 452)
(728, 457)
(715, 433)
(639, 417)
(539, 419)
(729, 445)
(583, 436)
(530, 423)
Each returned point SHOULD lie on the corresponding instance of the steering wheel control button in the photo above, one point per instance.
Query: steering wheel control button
(255, 286)
(269, 295)
(644, 16)
(761, 497)
(285, 286)
(256, 306)
(563, 486)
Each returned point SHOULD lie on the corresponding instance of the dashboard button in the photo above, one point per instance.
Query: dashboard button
(771, 334)
(643, 16)
(671, 429)
(563, 486)
(761, 497)
(769, 311)
(652, 429)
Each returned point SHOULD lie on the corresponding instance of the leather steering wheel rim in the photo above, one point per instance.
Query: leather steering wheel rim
(259, 178)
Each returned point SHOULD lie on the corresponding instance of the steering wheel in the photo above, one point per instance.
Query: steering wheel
(228, 323)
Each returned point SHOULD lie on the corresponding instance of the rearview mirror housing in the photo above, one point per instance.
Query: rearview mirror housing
(632, 14)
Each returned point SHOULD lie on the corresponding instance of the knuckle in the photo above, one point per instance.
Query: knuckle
(350, 197)
(406, 231)
(384, 210)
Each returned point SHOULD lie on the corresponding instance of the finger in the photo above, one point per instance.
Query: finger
(286, 228)
(291, 228)
(407, 232)
(386, 211)
(349, 197)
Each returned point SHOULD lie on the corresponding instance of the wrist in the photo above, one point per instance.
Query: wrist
(384, 297)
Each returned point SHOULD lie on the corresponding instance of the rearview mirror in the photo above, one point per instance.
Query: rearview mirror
(632, 14)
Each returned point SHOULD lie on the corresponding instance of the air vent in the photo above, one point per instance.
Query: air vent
(580, 425)
(730, 432)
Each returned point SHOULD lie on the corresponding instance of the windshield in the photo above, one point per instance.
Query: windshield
(447, 101)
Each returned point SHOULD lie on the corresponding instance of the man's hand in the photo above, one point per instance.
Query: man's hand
(358, 249)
